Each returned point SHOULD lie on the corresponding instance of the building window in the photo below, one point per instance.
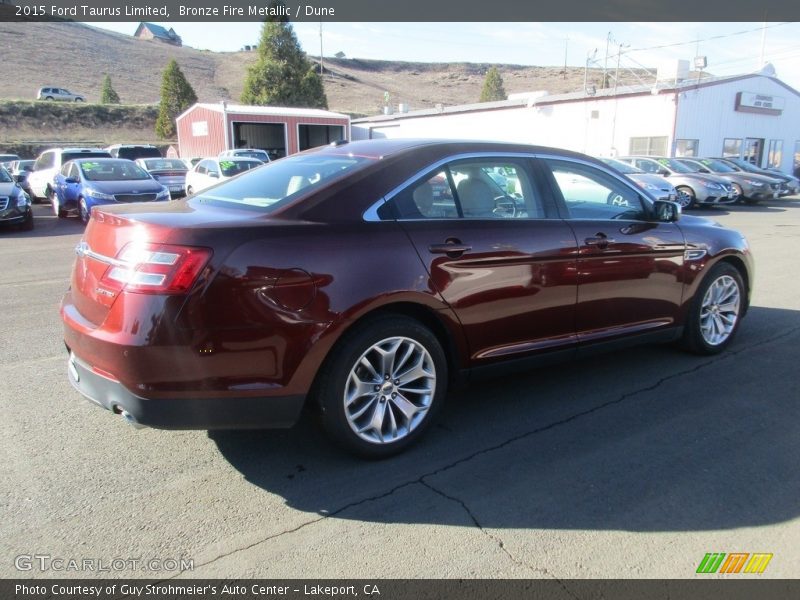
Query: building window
(796, 165)
(685, 148)
(648, 146)
(732, 147)
(775, 154)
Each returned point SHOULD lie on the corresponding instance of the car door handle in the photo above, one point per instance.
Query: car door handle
(601, 240)
(451, 247)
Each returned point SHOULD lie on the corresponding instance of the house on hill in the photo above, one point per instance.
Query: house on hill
(151, 31)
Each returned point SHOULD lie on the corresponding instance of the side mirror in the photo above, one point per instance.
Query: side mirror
(18, 177)
(704, 170)
(213, 174)
(663, 172)
(666, 211)
(71, 180)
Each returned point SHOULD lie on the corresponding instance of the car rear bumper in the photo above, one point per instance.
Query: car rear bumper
(183, 413)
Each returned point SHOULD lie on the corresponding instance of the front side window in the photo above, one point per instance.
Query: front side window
(590, 193)
(65, 169)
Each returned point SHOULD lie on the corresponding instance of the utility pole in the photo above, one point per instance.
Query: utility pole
(605, 62)
(616, 100)
(566, 47)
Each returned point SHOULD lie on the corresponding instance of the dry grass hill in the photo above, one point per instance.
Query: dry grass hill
(77, 57)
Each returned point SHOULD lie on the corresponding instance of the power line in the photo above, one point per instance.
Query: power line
(715, 37)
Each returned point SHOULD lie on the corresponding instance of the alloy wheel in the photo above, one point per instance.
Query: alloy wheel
(389, 390)
(719, 310)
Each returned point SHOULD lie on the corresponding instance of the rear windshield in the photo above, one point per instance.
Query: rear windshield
(278, 183)
(67, 156)
(231, 166)
(112, 170)
(4, 176)
(134, 152)
(165, 164)
(259, 154)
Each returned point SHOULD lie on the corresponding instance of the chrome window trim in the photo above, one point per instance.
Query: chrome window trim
(371, 214)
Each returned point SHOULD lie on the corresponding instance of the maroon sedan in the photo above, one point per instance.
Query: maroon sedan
(366, 277)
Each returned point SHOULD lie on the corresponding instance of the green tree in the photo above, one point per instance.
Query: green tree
(176, 96)
(282, 75)
(493, 87)
(107, 94)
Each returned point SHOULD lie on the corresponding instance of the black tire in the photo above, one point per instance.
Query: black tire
(57, 210)
(739, 193)
(189, 191)
(692, 202)
(343, 365)
(78, 99)
(48, 98)
(83, 212)
(694, 339)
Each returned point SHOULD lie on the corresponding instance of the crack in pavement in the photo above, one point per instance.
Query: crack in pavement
(495, 538)
(421, 479)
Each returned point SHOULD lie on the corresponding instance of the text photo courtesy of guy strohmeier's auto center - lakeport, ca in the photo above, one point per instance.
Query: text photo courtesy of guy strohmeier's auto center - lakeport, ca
(300, 304)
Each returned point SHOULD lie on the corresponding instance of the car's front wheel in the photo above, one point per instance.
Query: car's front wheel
(85, 211)
(716, 311)
(686, 196)
(382, 386)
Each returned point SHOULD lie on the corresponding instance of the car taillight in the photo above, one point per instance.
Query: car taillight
(156, 268)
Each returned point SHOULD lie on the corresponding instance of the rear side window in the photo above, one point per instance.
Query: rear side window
(45, 161)
(471, 189)
(276, 184)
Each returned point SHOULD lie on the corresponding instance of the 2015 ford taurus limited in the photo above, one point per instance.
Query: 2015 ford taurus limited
(363, 278)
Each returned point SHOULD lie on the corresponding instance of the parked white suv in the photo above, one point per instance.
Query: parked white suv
(54, 93)
(50, 162)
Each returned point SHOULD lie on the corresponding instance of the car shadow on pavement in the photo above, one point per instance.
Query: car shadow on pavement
(46, 224)
(647, 439)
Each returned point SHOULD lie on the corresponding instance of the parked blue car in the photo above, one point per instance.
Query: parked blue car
(86, 182)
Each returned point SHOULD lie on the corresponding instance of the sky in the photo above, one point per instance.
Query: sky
(730, 48)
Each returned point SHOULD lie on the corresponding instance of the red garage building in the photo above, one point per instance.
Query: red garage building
(208, 129)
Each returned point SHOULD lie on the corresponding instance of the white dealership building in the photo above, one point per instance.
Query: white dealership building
(755, 116)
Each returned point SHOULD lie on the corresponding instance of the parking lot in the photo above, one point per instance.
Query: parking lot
(632, 464)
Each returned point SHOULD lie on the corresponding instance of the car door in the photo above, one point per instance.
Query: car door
(72, 183)
(499, 256)
(629, 265)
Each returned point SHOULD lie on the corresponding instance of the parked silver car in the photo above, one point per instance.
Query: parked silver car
(751, 188)
(699, 188)
(170, 172)
(55, 93)
(659, 188)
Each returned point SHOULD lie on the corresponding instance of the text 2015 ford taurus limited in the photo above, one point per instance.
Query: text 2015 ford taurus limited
(363, 278)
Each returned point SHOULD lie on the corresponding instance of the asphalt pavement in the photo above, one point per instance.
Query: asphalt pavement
(633, 464)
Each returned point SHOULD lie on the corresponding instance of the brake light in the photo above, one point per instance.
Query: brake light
(156, 268)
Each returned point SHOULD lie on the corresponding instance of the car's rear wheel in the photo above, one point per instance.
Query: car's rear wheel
(189, 191)
(78, 99)
(716, 311)
(382, 386)
(57, 210)
(686, 196)
(48, 98)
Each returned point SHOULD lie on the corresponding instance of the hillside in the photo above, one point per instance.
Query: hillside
(77, 57)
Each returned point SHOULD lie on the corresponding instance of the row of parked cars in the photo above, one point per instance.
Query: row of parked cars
(74, 180)
(696, 182)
